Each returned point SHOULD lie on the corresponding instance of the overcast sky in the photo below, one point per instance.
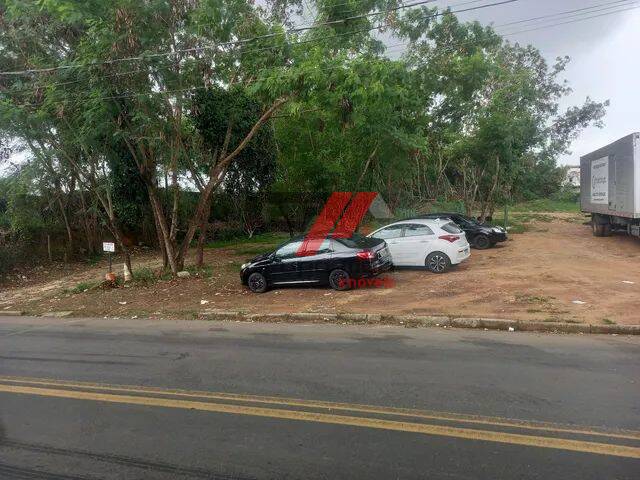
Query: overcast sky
(604, 57)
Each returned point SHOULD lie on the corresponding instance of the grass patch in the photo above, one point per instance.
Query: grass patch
(273, 238)
(233, 266)
(607, 321)
(532, 299)
(517, 228)
(254, 250)
(94, 259)
(561, 320)
(83, 287)
(206, 271)
(546, 205)
(144, 276)
(532, 217)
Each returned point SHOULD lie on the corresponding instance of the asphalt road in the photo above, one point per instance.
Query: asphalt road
(138, 399)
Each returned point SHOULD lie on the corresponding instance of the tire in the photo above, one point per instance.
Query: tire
(339, 280)
(606, 230)
(257, 283)
(482, 242)
(598, 230)
(438, 262)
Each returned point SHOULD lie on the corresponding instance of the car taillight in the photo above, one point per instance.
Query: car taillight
(366, 255)
(449, 238)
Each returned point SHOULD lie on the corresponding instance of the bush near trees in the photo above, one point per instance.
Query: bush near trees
(155, 121)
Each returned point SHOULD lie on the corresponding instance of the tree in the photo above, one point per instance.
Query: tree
(491, 106)
(94, 98)
(226, 117)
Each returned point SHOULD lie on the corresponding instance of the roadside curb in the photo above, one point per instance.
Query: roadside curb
(420, 321)
(11, 313)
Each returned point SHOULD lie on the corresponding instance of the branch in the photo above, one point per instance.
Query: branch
(366, 166)
(265, 116)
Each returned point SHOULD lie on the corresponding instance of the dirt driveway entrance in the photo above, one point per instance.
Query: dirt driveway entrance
(556, 271)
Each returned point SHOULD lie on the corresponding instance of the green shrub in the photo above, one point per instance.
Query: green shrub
(83, 286)
(8, 259)
(144, 275)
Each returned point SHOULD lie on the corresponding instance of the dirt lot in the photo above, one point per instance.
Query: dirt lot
(556, 271)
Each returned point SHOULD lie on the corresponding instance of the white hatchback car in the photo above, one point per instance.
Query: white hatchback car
(436, 244)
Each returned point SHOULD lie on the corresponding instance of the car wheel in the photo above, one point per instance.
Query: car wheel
(339, 279)
(257, 283)
(482, 242)
(438, 262)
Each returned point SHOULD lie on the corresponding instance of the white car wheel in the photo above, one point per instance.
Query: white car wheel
(438, 262)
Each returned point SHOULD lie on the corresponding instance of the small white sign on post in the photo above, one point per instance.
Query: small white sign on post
(108, 247)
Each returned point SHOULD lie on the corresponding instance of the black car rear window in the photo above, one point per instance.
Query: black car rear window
(451, 228)
(359, 241)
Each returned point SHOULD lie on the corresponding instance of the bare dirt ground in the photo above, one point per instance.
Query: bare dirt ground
(556, 271)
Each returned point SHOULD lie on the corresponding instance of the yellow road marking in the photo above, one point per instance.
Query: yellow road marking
(439, 430)
(294, 402)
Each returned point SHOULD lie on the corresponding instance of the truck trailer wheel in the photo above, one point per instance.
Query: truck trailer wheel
(601, 230)
(601, 225)
(598, 230)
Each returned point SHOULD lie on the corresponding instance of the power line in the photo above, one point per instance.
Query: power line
(296, 29)
(163, 92)
(607, 6)
(251, 39)
(259, 49)
(575, 20)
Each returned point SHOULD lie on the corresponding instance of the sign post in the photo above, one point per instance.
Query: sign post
(109, 247)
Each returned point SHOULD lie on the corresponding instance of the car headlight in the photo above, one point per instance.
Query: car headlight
(245, 265)
(498, 229)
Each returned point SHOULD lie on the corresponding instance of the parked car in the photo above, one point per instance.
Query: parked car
(480, 235)
(337, 262)
(435, 243)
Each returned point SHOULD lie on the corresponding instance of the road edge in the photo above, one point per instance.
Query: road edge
(409, 321)
(420, 321)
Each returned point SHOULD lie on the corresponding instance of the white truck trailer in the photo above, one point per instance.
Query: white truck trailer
(610, 187)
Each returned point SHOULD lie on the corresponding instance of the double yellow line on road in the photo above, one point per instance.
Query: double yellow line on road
(245, 405)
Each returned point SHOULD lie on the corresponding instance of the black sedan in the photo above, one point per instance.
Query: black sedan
(479, 235)
(338, 262)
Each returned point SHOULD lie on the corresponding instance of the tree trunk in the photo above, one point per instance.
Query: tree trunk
(67, 226)
(163, 250)
(287, 220)
(490, 196)
(127, 259)
(202, 238)
(49, 248)
(86, 225)
(216, 175)
(158, 214)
